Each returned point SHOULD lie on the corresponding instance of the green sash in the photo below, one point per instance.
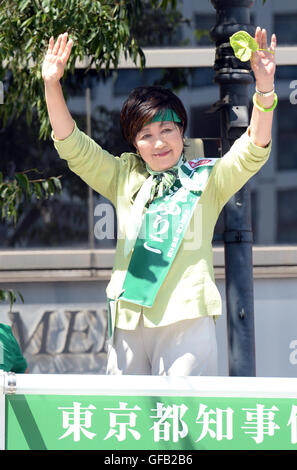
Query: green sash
(162, 231)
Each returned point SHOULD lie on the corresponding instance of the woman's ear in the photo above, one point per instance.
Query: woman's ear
(181, 130)
(137, 151)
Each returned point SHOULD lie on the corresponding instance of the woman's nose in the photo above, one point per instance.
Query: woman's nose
(159, 142)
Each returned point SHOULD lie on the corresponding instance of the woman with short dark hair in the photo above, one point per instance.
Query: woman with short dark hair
(162, 297)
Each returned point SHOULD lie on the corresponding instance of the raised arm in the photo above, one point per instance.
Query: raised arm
(52, 71)
(263, 66)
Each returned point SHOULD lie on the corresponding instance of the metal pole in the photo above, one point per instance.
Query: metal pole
(233, 78)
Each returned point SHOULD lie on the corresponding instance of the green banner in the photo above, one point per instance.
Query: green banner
(64, 422)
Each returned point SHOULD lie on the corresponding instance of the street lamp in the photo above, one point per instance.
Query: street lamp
(233, 77)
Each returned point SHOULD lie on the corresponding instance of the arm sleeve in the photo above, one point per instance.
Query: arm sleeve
(97, 167)
(237, 166)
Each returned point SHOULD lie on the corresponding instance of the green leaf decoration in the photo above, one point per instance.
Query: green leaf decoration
(243, 45)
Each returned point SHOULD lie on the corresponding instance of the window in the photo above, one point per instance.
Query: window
(285, 28)
(126, 79)
(287, 216)
(203, 24)
(58, 221)
(286, 136)
(204, 124)
(202, 76)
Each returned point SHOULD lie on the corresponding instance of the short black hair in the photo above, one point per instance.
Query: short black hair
(143, 103)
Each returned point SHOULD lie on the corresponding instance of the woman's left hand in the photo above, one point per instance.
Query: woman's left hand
(263, 61)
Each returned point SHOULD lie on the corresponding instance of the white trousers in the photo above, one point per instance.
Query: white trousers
(185, 348)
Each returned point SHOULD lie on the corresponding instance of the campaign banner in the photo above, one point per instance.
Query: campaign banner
(179, 423)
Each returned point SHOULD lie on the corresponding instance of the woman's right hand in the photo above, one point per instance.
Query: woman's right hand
(56, 58)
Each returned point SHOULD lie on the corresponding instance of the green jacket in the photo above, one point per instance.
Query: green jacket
(189, 290)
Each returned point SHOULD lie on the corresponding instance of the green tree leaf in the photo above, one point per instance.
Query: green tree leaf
(57, 183)
(23, 182)
(101, 30)
(11, 296)
(37, 190)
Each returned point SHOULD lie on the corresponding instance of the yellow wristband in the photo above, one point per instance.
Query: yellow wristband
(261, 107)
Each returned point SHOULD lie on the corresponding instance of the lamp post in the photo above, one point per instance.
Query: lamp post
(233, 77)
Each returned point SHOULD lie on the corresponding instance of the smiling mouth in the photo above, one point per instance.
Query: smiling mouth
(162, 154)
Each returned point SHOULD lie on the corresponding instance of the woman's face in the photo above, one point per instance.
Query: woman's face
(160, 144)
